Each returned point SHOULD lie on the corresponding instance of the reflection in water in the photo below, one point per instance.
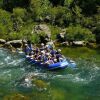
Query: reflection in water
(29, 81)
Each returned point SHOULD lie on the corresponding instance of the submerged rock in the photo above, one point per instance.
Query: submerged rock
(16, 97)
(40, 84)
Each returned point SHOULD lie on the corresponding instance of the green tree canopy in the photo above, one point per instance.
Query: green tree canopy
(78, 33)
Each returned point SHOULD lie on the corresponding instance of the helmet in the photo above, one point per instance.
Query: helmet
(59, 50)
(42, 44)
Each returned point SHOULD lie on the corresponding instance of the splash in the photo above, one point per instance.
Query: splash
(84, 74)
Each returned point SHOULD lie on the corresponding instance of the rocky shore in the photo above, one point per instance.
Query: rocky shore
(17, 44)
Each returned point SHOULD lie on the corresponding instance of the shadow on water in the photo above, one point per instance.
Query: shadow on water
(19, 78)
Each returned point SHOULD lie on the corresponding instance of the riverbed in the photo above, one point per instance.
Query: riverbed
(82, 83)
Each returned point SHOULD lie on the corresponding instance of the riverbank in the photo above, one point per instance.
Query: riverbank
(69, 51)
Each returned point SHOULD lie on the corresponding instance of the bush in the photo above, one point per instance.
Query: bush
(19, 13)
(78, 33)
(39, 9)
(60, 16)
(54, 30)
(5, 23)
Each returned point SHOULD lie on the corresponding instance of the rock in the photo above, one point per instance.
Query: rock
(9, 46)
(40, 84)
(61, 37)
(47, 19)
(91, 45)
(44, 31)
(42, 28)
(65, 43)
(2, 41)
(79, 43)
(15, 43)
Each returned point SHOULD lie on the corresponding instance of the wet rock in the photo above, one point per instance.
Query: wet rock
(61, 37)
(2, 41)
(91, 45)
(15, 43)
(79, 43)
(8, 46)
(65, 43)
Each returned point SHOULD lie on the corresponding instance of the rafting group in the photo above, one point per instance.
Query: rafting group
(44, 54)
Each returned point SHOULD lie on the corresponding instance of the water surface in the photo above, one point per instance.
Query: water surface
(82, 83)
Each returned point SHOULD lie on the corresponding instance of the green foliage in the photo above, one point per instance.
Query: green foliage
(16, 96)
(4, 17)
(87, 22)
(60, 16)
(54, 31)
(5, 23)
(77, 11)
(68, 2)
(39, 8)
(58, 13)
(79, 33)
(19, 12)
(33, 38)
(1, 3)
(97, 25)
(97, 31)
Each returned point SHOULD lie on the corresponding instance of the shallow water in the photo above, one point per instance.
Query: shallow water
(82, 83)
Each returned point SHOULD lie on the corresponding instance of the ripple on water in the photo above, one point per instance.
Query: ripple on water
(84, 74)
(14, 70)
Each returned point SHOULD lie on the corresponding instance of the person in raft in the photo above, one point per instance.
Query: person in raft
(44, 54)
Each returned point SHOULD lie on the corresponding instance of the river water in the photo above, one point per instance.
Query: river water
(82, 83)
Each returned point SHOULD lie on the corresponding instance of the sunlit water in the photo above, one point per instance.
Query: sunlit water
(21, 78)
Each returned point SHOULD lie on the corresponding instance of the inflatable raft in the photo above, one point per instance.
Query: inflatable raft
(59, 65)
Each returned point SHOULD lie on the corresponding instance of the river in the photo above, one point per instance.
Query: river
(82, 83)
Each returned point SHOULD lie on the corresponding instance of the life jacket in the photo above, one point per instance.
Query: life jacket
(53, 52)
(27, 49)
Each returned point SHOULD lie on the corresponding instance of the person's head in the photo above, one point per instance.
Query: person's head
(42, 44)
(55, 60)
(59, 50)
(26, 45)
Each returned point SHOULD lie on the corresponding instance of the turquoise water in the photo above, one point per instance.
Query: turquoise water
(20, 80)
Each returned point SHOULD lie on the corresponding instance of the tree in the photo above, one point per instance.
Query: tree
(39, 9)
(89, 7)
(5, 23)
(18, 17)
(78, 33)
(1, 3)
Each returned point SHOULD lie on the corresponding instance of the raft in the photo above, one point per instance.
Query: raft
(59, 65)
